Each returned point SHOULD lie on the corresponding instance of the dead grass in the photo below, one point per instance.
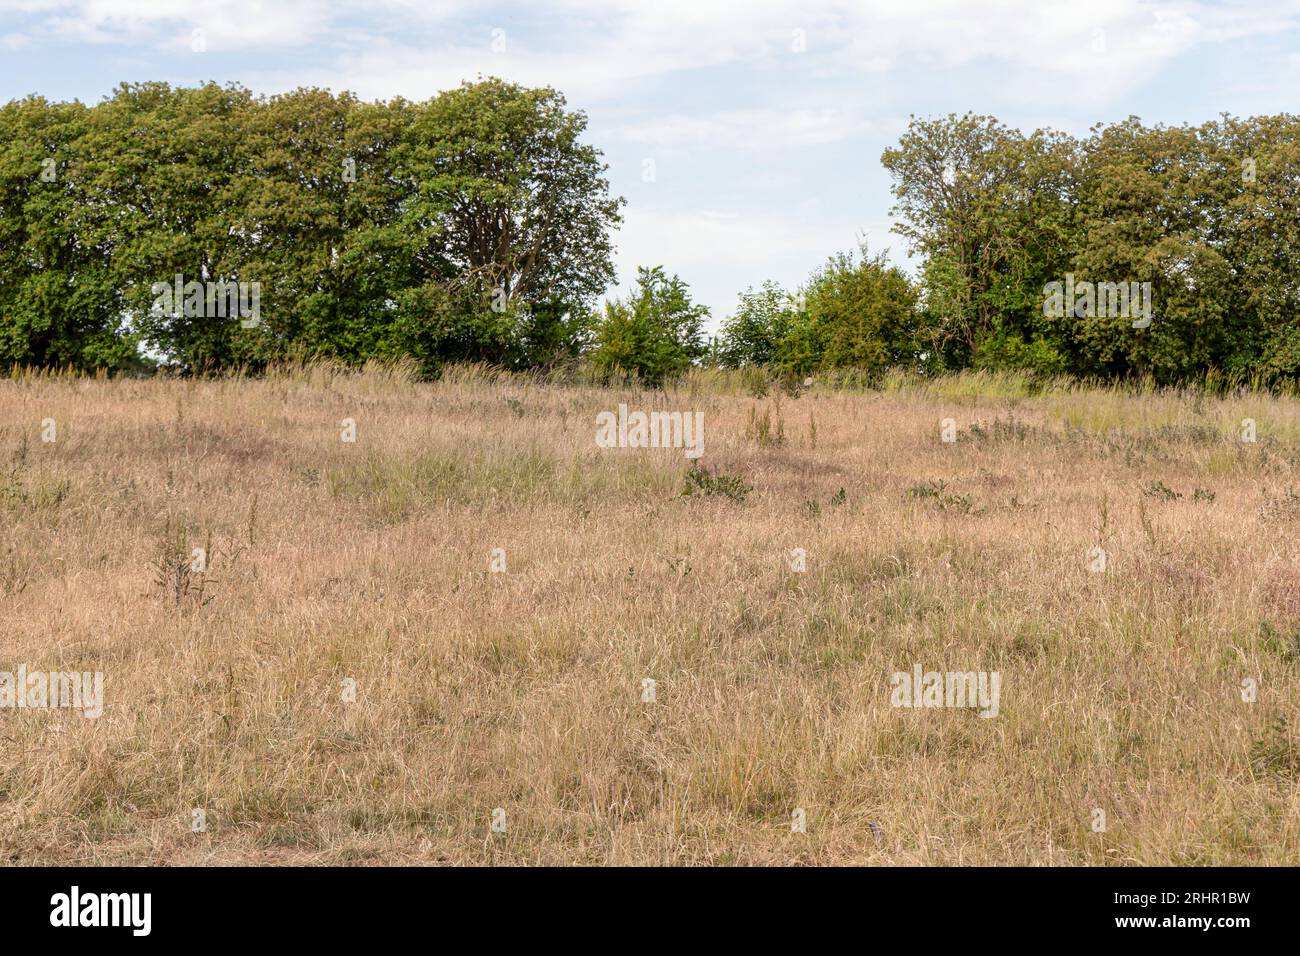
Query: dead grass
(369, 561)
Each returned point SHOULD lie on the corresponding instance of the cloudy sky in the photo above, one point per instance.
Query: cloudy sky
(745, 136)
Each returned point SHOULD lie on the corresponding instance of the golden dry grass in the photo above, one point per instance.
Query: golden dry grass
(369, 561)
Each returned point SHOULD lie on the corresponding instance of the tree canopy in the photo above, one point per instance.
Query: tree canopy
(477, 225)
(467, 226)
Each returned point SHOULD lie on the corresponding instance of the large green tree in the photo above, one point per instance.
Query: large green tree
(473, 225)
(167, 164)
(520, 214)
(988, 209)
(60, 296)
(1205, 217)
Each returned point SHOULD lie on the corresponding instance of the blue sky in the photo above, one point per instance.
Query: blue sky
(763, 121)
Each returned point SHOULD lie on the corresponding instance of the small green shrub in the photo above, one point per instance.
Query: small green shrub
(1159, 490)
(936, 491)
(700, 481)
(1274, 753)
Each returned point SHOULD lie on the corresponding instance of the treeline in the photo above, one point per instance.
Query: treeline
(477, 226)
(472, 226)
(1204, 221)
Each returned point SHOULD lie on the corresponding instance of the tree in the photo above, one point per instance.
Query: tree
(518, 207)
(989, 210)
(655, 334)
(863, 313)
(60, 301)
(168, 166)
(757, 332)
(1261, 238)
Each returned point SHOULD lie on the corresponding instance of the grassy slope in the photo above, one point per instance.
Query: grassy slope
(522, 690)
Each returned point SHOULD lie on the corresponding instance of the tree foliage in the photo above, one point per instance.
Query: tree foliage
(477, 225)
(656, 333)
(467, 226)
(1207, 215)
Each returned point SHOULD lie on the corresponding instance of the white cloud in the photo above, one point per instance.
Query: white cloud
(595, 48)
(763, 130)
(596, 51)
(169, 24)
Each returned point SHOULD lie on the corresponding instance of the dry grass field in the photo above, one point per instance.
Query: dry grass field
(335, 565)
